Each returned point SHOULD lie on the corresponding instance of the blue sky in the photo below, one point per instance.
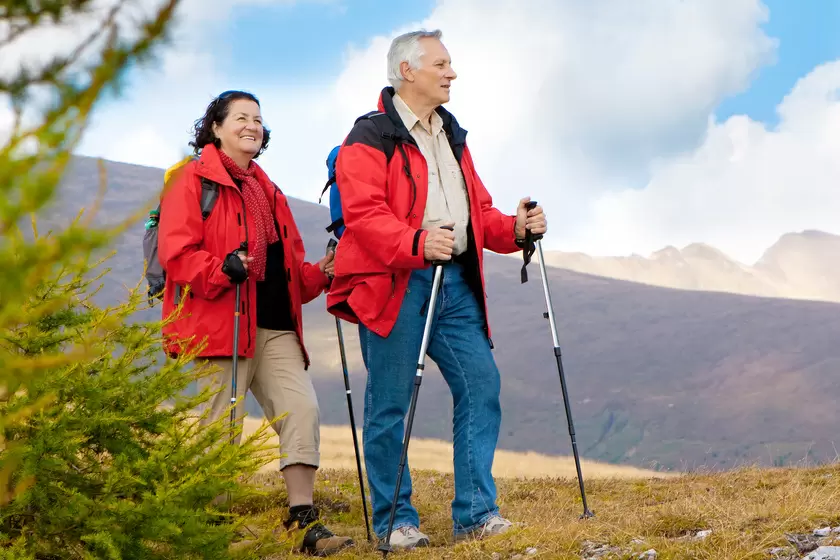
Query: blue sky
(307, 40)
(807, 31)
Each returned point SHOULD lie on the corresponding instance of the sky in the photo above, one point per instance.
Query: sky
(636, 125)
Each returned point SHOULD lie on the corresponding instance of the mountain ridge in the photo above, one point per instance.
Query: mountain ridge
(659, 377)
(799, 265)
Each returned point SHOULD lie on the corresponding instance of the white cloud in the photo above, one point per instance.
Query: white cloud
(743, 187)
(150, 123)
(573, 103)
(563, 101)
(41, 44)
(552, 91)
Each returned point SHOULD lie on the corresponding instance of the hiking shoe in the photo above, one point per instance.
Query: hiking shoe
(320, 541)
(496, 525)
(408, 537)
(317, 540)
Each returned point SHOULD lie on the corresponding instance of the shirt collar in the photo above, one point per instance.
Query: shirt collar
(410, 120)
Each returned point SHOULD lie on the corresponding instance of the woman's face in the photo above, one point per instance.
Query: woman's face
(241, 133)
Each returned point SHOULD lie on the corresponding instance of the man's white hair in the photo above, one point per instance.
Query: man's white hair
(407, 48)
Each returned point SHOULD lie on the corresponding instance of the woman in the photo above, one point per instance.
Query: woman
(275, 281)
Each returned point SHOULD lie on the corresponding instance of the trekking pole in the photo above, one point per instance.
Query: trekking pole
(418, 379)
(530, 239)
(331, 246)
(237, 312)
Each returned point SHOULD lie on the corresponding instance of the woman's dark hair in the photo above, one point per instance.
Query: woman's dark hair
(216, 112)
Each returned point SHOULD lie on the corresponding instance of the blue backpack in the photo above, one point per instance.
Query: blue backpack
(390, 139)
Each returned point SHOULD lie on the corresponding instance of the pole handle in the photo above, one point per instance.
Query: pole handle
(440, 262)
(331, 245)
(528, 246)
(530, 237)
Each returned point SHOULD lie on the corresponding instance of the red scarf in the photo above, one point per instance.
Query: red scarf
(257, 206)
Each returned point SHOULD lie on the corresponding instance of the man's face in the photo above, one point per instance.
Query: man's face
(435, 74)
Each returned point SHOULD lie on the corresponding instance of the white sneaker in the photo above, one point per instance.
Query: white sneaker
(408, 538)
(496, 525)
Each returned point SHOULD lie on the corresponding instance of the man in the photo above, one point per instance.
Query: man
(394, 215)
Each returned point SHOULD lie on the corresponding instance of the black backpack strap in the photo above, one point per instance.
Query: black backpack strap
(335, 225)
(387, 131)
(391, 139)
(410, 175)
(330, 181)
(209, 196)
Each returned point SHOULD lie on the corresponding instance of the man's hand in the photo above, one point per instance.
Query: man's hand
(439, 244)
(327, 264)
(533, 220)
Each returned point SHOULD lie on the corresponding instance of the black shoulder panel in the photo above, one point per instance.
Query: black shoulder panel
(365, 132)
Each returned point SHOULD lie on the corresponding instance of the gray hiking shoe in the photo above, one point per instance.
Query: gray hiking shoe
(496, 525)
(406, 538)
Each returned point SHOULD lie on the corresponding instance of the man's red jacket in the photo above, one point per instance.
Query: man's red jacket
(383, 211)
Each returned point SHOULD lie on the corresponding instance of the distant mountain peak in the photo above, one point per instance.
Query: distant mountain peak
(816, 233)
(667, 252)
(704, 251)
(807, 234)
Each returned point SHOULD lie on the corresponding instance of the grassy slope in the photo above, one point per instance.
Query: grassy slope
(748, 510)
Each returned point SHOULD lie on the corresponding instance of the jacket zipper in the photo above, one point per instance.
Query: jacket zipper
(283, 237)
(247, 284)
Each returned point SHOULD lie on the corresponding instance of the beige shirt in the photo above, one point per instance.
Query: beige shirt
(447, 201)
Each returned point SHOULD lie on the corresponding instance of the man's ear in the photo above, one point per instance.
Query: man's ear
(406, 71)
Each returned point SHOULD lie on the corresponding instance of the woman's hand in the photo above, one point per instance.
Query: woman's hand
(327, 264)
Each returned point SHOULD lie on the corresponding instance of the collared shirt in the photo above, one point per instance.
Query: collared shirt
(447, 200)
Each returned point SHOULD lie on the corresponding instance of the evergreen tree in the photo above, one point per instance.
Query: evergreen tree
(99, 456)
(116, 464)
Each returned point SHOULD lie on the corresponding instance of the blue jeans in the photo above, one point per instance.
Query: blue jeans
(461, 350)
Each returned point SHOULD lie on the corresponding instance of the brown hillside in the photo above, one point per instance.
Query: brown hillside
(659, 377)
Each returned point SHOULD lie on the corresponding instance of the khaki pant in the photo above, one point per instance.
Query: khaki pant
(278, 380)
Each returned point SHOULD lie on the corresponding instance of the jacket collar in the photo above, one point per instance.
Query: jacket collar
(210, 166)
(457, 136)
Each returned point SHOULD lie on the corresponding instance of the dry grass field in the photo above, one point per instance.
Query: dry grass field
(436, 455)
(744, 514)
